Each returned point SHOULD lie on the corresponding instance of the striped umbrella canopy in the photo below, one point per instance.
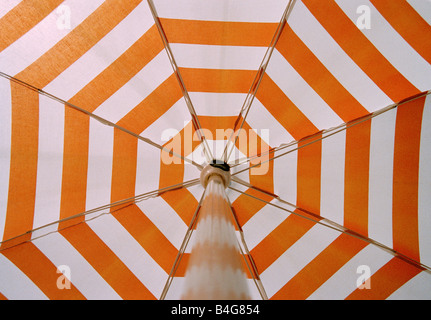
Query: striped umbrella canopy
(318, 110)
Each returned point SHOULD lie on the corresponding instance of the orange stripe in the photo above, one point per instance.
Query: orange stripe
(180, 143)
(153, 106)
(77, 131)
(279, 240)
(286, 113)
(410, 25)
(386, 280)
(123, 166)
(23, 17)
(264, 182)
(119, 72)
(250, 143)
(321, 268)
(105, 262)
(123, 186)
(262, 175)
(23, 161)
(148, 236)
(2, 297)
(246, 207)
(181, 200)
(182, 266)
(41, 271)
(77, 42)
(173, 174)
(406, 178)
(76, 135)
(308, 176)
(360, 50)
(216, 80)
(318, 77)
(212, 123)
(356, 177)
(75, 165)
(218, 32)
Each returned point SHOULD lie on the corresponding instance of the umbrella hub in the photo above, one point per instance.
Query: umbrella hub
(216, 168)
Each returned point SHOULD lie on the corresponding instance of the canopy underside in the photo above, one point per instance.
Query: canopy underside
(327, 108)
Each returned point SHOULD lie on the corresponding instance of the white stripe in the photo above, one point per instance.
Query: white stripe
(82, 275)
(198, 156)
(219, 143)
(136, 90)
(15, 285)
(217, 104)
(381, 177)
(222, 10)
(296, 258)
(37, 41)
(130, 252)
(217, 147)
(8, 5)
(423, 8)
(393, 47)
(417, 288)
(285, 176)
(171, 121)
(102, 54)
(147, 168)
(300, 93)
(244, 176)
(332, 177)
(49, 162)
(217, 57)
(5, 146)
(344, 281)
(424, 191)
(165, 219)
(262, 224)
(341, 66)
(99, 172)
(261, 119)
(196, 190)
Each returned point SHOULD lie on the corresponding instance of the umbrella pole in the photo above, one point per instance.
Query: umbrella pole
(215, 270)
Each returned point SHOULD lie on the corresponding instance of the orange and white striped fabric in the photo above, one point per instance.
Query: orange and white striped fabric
(335, 94)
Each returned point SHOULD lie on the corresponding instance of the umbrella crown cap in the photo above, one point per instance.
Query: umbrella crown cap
(216, 168)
